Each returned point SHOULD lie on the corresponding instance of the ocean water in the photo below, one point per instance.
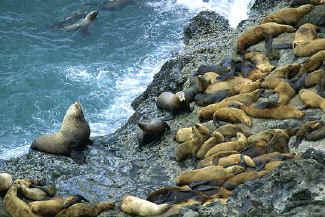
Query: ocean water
(43, 70)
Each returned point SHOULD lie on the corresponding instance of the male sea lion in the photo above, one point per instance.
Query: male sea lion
(136, 206)
(215, 139)
(288, 16)
(152, 130)
(238, 145)
(173, 103)
(74, 133)
(258, 33)
(262, 63)
(279, 112)
(312, 99)
(211, 173)
(232, 115)
(82, 24)
(86, 209)
(5, 181)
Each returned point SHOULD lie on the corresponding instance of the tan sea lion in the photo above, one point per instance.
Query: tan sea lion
(215, 139)
(265, 158)
(232, 115)
(313, 63)
(261, 61)
(241, 178)
(312, 99)
(285, 72)
(5, 181)
(211, 77)
(83, 23)
(136, 206)
(74, 132)
(230, 130)
(48, 208)
(313, 78)
(236, 159)
(284, 89)
(211, 173)
(212, 160)
(238, 145)
(273, 164)
(258, 33)
(85, 209)
(279, 112)
(310, 48)
(305, 34)
(183, 134)
(15, 206)
(288, 16)
(35, 194)
(247, 87)
(256, 75)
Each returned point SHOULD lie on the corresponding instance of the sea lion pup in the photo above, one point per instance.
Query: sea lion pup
(5, 181)
(15, 206)
(312, 99)
(215, 139)
(284, 89)
(211, 173)
(261, 61)
(172, 103)
(86, 209)
(258, 33)
(288, 16)
(206, 113)
(241, 178)
(207, 99)
(152, 130)
(200, 134)
(238, 145)
(313, 63)
(171, 195)
(183, 134)
(230, 130)
(296, 3)
(233, 115)
(279, 112)
(74, 133)
(212, 160)
(83, 23)
(136, 206)
(236, 159)
(314, 77)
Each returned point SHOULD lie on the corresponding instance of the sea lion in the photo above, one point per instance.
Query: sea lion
(74, 133)
(310, 48)
(183, 134)
(152, 130)
(37, 193)
(286, 72)
(313, 63)
(296, 3)
(211, 173)
(238, 145)
(270, 165)
(171, 194)
(15, 206)
(284, 89)
(262, 63)
(5, 181)
(258, 33)
(215, 139)
(256, 75)
(48, 208)
(236, 159)
(288, 16)
(310, 131)
(136, 206)
(304, 34)
(265, 158)
(312, 99)
(173, 103)
(86, 209)
(230, 130)
(207, 99)
(279, 112)
(211, 77)
(247, 87)
(82, 24)
(226, 68)
(212, 160)
(313, 78)
(241, 178)
(232, 115)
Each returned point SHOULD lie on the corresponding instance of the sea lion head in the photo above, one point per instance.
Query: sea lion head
(91, 15)
(306, 8)
(74, 111)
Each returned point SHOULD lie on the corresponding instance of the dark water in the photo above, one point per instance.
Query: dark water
(44, 70)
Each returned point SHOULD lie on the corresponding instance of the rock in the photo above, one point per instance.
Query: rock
(316, 16)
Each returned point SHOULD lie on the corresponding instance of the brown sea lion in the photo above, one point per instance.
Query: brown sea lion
(313, 63)
(136, 206)
(247, 87)
(230, 130)
(215, 139)
(15, 206)
(5, 181)
(212, 160)
(279, 112)
(171, 194)
(85, 209)
(183, 134)
(312, 99)
(74, 133)
(272, 164)
(305, 34)
(295, 3)
(232, 115)
(207, 99)
(288, 16)
(236, 159)
(152, 130)
(313, 78)
(258, 33)
(265, 158)
(48, 208)
(310, 48)
(256, 75)
(284, 89)
(285, 72)
(211, 173)
(241, 178)
(238, 145)
(173, 103)
(35, 194)
(261, 61)
(211, 77)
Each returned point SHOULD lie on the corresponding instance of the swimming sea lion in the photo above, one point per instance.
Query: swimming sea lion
(5, 181)
(238, 145)
(211, 173)
(86, 209)
(312, 99)
(288, 16)
(136, 206)
(83, 23)
(261, 61)
(279, 112)
(258, 33)
(152, 130)
(74, 133)
(232, 115)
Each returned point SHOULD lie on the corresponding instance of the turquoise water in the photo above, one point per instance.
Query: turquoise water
(44, 70)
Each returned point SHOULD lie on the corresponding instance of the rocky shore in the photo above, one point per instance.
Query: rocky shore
(116, 165)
